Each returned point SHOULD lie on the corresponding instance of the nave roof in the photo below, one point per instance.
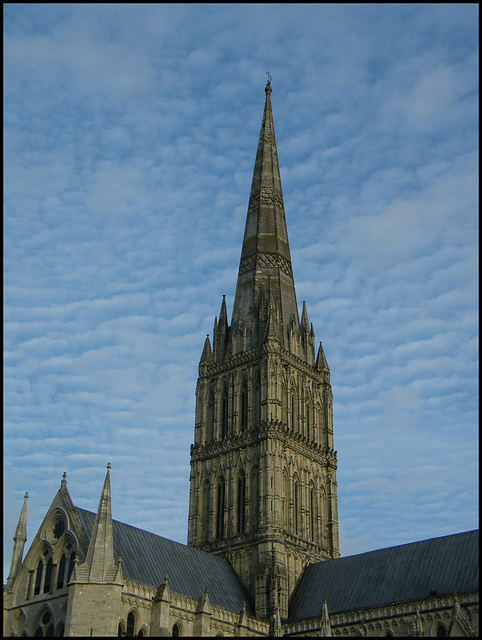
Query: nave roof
(405, 572)
(148, 558)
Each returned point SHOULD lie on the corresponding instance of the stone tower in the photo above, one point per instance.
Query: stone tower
(263, 469)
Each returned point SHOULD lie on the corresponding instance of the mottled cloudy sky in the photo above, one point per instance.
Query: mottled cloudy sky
(130, 138)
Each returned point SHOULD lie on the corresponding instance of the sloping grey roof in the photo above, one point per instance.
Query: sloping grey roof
(442, 565)
(147, 557)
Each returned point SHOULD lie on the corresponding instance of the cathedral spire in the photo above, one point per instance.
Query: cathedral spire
(99, 564)
(19, 540)
(265, 253)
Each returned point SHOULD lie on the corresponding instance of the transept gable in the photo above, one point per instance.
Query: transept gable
(60, 526)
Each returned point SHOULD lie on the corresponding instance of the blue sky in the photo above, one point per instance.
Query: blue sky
(130, 138)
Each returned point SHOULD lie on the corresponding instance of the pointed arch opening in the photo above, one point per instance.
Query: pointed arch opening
(286, 499)
(48, 576)
(284, 404)
(317, 423)
(210, 417)
(224, 414)
(243, 408)
(254, 499)
(309, 423)
(45, 624)
(205, 510)
(38, 577)
(296, 505)
(131, 624)
(256, 402)
(313, 515)
(241, 502)
(220, 508)
(61, 572)
(294, 423)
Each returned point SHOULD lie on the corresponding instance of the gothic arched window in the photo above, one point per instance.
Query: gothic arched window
(61, 574)
(176, 631)
(313, 513)
(254, 499)
(243, 422)
(131, 624)
(45, 628)
(224, 415)
(294, 411)
(210, 418)
(241, 502)
(205, 510)
(48, 576)
(71, 566)
(296, 499)
(38, 578)
(286, 498)
(284, 405)
(220, 509)
(256, 403)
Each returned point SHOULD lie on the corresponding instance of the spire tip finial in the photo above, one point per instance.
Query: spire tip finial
(268, 84)
(108, 465)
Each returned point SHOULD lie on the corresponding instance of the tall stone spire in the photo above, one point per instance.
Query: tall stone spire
(19, 540)
(263, 467)
(99, 565)
(265, 253)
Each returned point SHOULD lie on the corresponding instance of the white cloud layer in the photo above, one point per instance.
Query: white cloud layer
(130, 138)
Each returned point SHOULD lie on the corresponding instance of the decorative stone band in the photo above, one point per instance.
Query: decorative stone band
(266, 260)
(266, 195)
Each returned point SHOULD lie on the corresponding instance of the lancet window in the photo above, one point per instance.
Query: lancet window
(131, 624)
(254, 499)
(286, 497)
(241, 503)
(61, 574)
(45, 626)
(48, 576)
(205, 511)
(210, 418)
(224, 414)
(220, 509)
(293, 414)
(64, 573)
(313, 513)
(256, 403)
(38, 578)
(243, 417)
(296, 505)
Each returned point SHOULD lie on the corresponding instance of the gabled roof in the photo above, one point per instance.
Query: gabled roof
(147, 557)
(439, 565)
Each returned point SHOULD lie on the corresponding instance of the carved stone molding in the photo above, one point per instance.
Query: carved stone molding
(266, 195)
(266, 260)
